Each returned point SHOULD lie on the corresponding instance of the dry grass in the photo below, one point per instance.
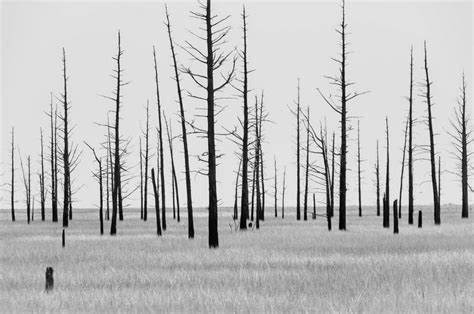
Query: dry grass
(286, 266)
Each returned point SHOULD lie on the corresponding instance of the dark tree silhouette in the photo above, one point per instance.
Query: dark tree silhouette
(183, 133)
(345, 97)
(298, 189)
(157, 202)
(235, 215)
(395, 217)
(377, 180)
(66, 153)
(410, 144)
(333, 177)
(54, 160)
(146, 160)
(386, 207)
(110, 169)
(117, 201)
(358, 169)
(141, 178)
(214, 58)
(98, 176)
(402, 170)
(161, 170)
(174, 179)
(461, 135)
(428, 100)
(12, 184)
(253, 189)
(306, 176)
(262, 118)
(420, 219)
(41, 179)
(275, 186)
(283, 194)
(258, 117)
(27, 185)
(314, 206)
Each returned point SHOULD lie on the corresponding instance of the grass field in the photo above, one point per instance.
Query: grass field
(286, 266)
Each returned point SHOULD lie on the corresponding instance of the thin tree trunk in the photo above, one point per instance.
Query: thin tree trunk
(101, 196)
(410, 145)
(358, 169)
(160, 133)
(66, 152)
(314, 206)
(298, 192)
(157, 202)
(42, 187)
(386, 213)
(283, 195)
(12, 194)
(141, 179)
(402, 172)
(332, 172)
(262, 214)
(236, 195)
(395, 217)
(253, 191)
(174, 180)
(377, 179)
(276, 187)
(257, 164)
(306, 177)
(183, 134)
(146, 164)
(464, 151)
(437, 218)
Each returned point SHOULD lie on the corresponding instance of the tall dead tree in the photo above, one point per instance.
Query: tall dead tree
(410, 144)
(146, 160)
(345, 97)
(117, 201)
(298, 190)
(214, 58)
(262, 118)
(141, 177)
(236, 194)
(306, 176)
(12, 185)
(244, 205)
(41, 180)
(157, 202)
(160, 137)
(377, 180)
(275, 186)
(183, 134)
(428, 100)
(461, 135)
(27, 185)
(333, 154)
(386, 207)
(174, 179)
(66, 153)
(98, 176)
(402, 171)
(258, 209)
(358, 169)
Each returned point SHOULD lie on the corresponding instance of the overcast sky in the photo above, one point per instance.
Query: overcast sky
(286, 41)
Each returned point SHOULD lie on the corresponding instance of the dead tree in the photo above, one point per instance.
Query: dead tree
(253, 190)
(306, 177)
(41, 180)
(98, 176)
(377, 180)
(157, 202)
(410, 144)
(214, 58)
(146, 160)
(262, 118)
(314, 206)
(160, 137)
(358, 169)
(275, 186)
(141, 177)
(461, 135)
(395, 217)
(298, 190)
(333, 154)
(12, 185)
(402, 171)
(283, 194)
(439, 182)
(345, 97)
(27, 185)
(66, 153)
(236, 194)
(258, 209)
(110, 169)
(183, 134)
(174, 179)
(386, 207)
(428, 100)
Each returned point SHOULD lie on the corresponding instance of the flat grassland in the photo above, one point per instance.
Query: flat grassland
(286, 266)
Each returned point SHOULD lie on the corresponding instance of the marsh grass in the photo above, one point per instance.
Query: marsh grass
(286, 266)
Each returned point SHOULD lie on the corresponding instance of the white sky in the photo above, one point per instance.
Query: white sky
(286, 40)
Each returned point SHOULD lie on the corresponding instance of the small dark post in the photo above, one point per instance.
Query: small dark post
(395, 216)
(420, 219)
(64, 238)
(314, 207)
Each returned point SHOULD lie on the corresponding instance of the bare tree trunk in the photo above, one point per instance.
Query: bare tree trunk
(116, 196)
(395, 217)
(314, 206)
(146, 163)
(439, 187)
(428, 96)
(257, 164)
(298, 191)
(410, 145)
(27, 185)
(12, 186)
(160, 133)
(276, 187)
(141, 178)
(236, 196)
(183, 134)
(253, 191)
(66, 152)
(386, 212)
(174, 180)
(101, 196)
(262, 214)
(42, 187)
(358, 169)
(332, 173)
(402, 171)
(377, 180)
(157, 202)
(306, 179)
